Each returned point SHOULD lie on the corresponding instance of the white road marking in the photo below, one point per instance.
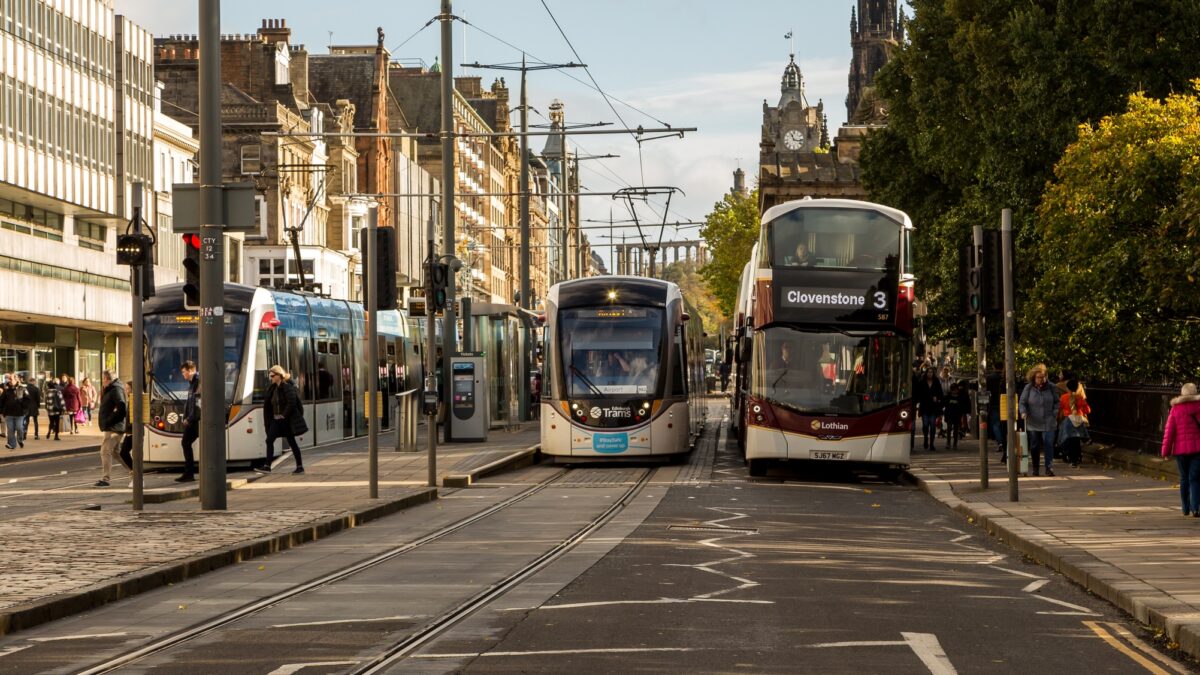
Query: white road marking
(657, 601)
(1019, 573)
(77, 637)
(13, 650)
(991, 560)
(865, 643)
(328, 623)
(290, 668)
(958, 539)
(1034, 585)
(552, 652)
(929, 650)
(1063, 603)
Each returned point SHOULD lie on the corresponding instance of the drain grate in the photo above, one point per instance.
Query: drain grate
(711, 528)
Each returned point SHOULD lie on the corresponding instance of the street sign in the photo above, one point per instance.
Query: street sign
(237, 207)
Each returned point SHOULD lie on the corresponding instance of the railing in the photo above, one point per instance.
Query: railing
(1129, 416)
(407, 417)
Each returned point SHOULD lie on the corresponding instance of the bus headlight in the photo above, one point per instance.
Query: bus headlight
(903, 414)
(757, 409)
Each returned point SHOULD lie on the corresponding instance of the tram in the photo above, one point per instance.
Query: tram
(624, 371)
(320, 341)
(825, 345)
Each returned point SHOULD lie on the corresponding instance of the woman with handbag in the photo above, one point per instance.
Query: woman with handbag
(1073, 429)
(1181, 439)
(283, 414)
(72, 401)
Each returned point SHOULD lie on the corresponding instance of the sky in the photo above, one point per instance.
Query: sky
(690, 63)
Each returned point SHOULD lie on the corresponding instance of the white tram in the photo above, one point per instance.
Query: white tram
(321, 343)
(624, 370)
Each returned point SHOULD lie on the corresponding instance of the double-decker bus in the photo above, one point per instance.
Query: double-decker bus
(825, 348)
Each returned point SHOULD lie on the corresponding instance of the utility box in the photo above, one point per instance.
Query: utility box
(469, 419)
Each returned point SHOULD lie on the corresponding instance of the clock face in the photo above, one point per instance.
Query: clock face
(794, 139)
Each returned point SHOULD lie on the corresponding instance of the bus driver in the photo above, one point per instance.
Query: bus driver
(802, 258)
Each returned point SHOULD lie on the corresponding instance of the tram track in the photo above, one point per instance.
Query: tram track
(433, 629)
(223, 620)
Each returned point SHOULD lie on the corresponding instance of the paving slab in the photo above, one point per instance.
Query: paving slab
(1118, 533)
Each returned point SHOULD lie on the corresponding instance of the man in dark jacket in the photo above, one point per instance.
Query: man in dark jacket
(12, 406)
(112, 415)
(191, 421)
(33, 397)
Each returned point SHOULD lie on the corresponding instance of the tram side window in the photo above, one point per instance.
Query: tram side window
(329, 367)
(678, 383)
(300, 365)
(264, 350)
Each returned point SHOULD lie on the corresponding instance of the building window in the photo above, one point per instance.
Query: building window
(271, 275)
(30, 220)
(251, 158)
(91, 235)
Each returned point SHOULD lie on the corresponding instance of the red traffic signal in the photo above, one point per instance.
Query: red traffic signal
(192, 241)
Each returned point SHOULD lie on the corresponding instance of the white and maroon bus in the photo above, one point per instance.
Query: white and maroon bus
(824, 355)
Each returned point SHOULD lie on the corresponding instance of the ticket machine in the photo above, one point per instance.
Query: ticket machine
(469, 409)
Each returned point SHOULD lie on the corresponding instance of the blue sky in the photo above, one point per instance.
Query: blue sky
(691, 63)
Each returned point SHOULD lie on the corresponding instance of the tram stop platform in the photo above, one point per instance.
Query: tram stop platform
(87, 547)
(1118, 533)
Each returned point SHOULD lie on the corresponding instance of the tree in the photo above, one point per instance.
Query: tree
(1121, 225)
(982, 101)
(695, 290)
(731, 230)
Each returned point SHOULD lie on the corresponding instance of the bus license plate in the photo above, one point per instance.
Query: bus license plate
(828, 454)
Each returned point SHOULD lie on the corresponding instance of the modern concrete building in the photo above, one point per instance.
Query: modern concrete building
(76, 130)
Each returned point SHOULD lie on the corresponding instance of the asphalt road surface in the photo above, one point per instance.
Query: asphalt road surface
(696, 568)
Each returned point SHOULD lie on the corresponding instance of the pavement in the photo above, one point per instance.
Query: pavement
(87, 440)
(56, 562)
(1117, 533)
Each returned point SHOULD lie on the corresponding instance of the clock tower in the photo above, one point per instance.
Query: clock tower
(793, 126)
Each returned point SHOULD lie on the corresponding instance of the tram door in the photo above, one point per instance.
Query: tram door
(347, 381)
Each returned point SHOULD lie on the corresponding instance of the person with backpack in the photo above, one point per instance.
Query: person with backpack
(33, 399)
(284, 416)
(1181, 440)
(54, 408)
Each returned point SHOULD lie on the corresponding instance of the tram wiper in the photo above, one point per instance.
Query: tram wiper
(593, 387)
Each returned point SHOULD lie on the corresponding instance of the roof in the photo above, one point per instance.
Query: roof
(349, 76)
(419, 96)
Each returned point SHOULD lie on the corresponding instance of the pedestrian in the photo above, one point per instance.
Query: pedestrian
(1073, 408)
(33, 399)
(1181, 439)
(958, 404)
(930, 399)
(126, 453)
(14, 409)
(723, 370)
(54, 407)
(995, 387)
(112, 414)
(191, 421)
(1039, 408)
(284, 416)
(87, 399)
(71, 401)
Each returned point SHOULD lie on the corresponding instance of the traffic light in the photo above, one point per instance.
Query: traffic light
(191, 266)
(992, 273)
(970, 281)
(437, 275)
(134, 249)
(383, 265)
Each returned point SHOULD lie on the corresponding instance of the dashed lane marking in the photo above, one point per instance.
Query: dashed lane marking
(1076, 609)
(336, 621)
(290, 668)
(8, 651)
(557, 652)
(929, 650)
(1034, 585)
(77, 637)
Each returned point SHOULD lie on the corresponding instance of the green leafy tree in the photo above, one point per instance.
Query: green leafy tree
(730, 231)
(1120, 226)
(695, 290)
(982, 101)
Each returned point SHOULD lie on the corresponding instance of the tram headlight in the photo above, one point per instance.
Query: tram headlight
(641, 412)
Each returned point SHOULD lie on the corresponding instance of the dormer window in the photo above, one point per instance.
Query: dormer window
(283, 62)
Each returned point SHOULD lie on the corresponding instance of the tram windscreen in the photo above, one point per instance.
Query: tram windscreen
(611, 351)
(824, 373)
(833, 238)
(172, 339)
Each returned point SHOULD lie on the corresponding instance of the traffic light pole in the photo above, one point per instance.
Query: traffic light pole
(139, 360)
(449, 321)
(980, 359)
(212, 312)
(1010, 425)
(370, 257)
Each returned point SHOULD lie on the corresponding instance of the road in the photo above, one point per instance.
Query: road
(682, 568)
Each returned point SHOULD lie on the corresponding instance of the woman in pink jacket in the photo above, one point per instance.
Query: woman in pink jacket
(1181, 439)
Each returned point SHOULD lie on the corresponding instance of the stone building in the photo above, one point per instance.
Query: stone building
(876, 31)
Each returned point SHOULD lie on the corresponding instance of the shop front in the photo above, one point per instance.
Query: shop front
(40, 351)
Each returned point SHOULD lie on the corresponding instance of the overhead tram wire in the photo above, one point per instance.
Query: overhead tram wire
(415, 34)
